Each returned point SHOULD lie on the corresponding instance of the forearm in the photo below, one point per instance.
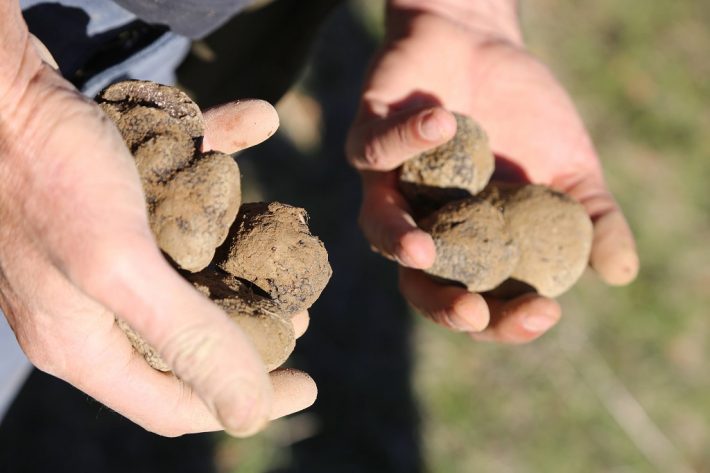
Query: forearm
(493, 18)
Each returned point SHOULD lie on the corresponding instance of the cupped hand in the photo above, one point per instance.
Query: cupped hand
(433, 66)
(76, 249)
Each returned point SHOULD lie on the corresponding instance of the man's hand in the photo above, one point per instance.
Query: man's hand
(76, 248)
(463, 56)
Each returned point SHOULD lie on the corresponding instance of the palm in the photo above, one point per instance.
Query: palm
(529, 118)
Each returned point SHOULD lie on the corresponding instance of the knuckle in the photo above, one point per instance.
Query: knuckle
(190, 352)
(372, 152)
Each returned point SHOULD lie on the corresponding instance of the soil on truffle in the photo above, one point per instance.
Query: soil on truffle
(122, 96)
(192, 197)
(473, 244)
(271, 247)
(270, 266)
(457, 169)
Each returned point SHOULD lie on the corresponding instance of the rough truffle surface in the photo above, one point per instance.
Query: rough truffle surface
(271, 248)
(473, 244)
(271, 266)
(454, 170)
(122, 96)
(192, 197)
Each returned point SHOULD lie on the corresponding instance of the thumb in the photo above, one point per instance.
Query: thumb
(234, 126)
(129, 276)
(382, 144)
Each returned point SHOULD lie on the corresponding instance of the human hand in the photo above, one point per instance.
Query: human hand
(76, 248)
(432, 63)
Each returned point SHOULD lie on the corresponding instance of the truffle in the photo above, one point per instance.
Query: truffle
(271, 248)
(458, 168)
(473, 244)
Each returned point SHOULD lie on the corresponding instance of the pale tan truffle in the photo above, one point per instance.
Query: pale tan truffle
(552, 231)
(274, 340)
(473, 244)
(192, 213)
(271, 248)
(271, 334)
(454, 170)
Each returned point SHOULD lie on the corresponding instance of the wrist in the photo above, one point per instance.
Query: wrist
(495, 20)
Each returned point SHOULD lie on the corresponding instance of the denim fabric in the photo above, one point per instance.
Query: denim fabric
(14, 366)
(192, 18)
(97, 42)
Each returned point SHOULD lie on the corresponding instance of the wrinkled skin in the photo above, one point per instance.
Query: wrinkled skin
(437, 59)
(75, 249)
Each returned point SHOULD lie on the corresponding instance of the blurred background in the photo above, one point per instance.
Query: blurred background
(620, 385)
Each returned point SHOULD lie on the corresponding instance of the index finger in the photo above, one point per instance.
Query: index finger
(237, 125)
(388, 226)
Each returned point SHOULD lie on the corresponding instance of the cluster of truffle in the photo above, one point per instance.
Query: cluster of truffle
(503, 238)
(258, 261)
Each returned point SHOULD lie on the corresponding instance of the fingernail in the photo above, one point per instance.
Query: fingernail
(537, 323)
(414, 258)
(246, 416)
(43, 52)
(246, 425)
(469, 316)
(416, 250)
(430, 127)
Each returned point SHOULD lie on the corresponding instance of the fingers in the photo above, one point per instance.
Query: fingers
(449, 306)
(300, 323)
(388, 226)
(234, 126)
(293, 391)
(614, 255)
(520, 320)
(196, 339)
(384, 144)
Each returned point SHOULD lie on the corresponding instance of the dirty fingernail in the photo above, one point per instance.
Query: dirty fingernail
(435, 125)
(430, 127)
